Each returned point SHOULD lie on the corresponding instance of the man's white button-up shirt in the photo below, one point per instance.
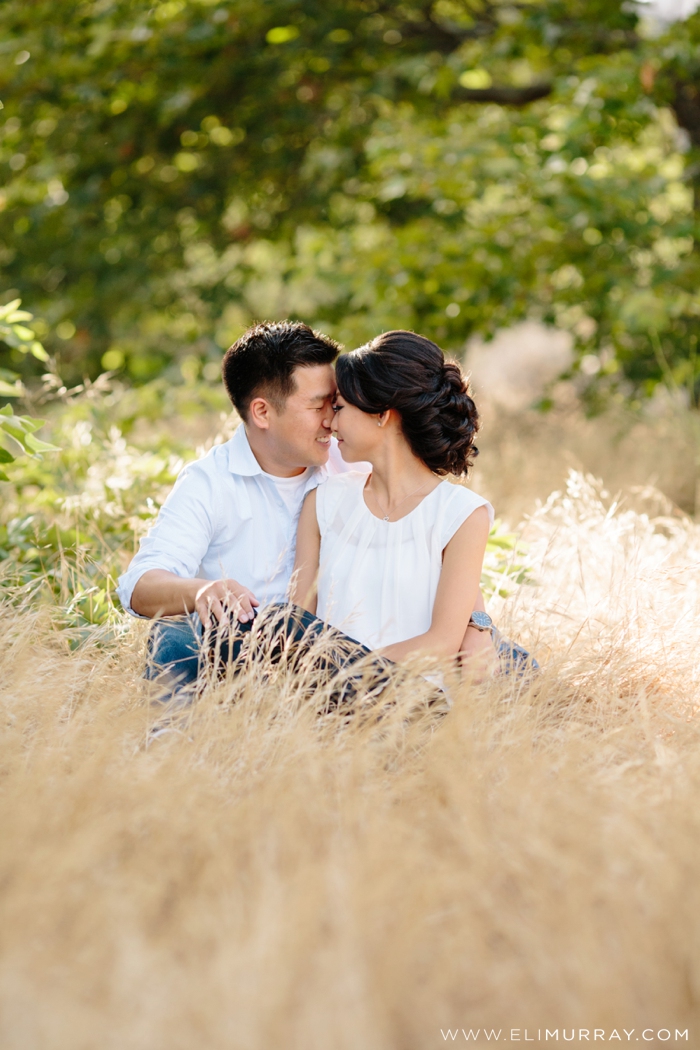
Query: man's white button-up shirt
(225, 519)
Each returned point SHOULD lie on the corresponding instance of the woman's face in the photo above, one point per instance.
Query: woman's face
(357, 432)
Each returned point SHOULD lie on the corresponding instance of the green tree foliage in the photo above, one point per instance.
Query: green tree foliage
(18, 431)
(173, 170)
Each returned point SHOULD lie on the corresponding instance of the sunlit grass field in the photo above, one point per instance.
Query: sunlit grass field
(264, 877)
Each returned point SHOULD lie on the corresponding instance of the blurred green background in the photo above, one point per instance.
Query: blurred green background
(173, 170)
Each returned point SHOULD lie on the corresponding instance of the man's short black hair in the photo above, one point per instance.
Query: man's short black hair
(262, 361)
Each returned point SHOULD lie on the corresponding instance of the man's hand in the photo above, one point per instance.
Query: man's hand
(224, 599)
(162, 593)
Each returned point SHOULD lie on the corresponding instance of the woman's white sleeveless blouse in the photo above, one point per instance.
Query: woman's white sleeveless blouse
(377, 579)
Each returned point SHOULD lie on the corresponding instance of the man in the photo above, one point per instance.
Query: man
(223, 542)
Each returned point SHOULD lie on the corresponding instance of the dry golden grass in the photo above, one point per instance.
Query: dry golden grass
(261, 878)
(526, 455)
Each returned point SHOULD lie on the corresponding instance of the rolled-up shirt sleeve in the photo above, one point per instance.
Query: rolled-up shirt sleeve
(181, 534)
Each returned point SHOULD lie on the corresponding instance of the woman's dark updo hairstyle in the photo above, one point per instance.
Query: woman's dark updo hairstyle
(404, 371)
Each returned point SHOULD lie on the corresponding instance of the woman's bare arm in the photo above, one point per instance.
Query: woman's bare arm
(303, 586)
(457, 593)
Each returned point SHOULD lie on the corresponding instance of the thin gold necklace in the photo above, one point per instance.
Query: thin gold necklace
(383, 510)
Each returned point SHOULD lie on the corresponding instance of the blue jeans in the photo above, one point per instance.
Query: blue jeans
(512, 657)
(177, 649)
(174, 652)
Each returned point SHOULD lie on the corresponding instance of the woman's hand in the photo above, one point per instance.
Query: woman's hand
(224, 599)
(478, 655)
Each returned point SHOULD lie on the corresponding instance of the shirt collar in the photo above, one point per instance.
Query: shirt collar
(242, 461)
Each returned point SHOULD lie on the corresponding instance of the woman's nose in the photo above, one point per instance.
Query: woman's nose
(334, 423)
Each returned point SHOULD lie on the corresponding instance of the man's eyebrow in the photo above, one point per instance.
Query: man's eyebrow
(322, 397)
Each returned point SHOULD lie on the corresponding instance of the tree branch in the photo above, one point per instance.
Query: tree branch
(686, 106)
(504, 96)
(441, 34)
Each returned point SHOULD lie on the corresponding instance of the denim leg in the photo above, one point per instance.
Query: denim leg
(513, 658)
(174, 646)
(285, 632)
(338, 653)
(290, 633)
(288, 630)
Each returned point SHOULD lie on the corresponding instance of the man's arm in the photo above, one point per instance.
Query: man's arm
(162, 578)
(162, 593)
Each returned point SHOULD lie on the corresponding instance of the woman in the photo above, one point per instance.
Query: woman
(394, 559)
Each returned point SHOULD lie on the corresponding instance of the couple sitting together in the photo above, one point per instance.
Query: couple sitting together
(328, 509)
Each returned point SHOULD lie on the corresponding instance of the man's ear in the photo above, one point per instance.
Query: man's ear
(259, 413)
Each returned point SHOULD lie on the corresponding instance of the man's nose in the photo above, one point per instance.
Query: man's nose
(328, 417)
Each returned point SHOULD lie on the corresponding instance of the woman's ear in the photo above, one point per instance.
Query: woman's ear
(259, 413)
(383, 418)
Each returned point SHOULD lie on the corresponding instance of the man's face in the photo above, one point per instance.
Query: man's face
(301, 430)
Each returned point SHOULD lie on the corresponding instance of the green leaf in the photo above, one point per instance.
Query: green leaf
(26, 424)
(15, 390)
(8, 309)
(37, 350)
(21, 429)
(31, 424)
(5, 456)
(15, 432)
(36, 445)
(25, 334)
